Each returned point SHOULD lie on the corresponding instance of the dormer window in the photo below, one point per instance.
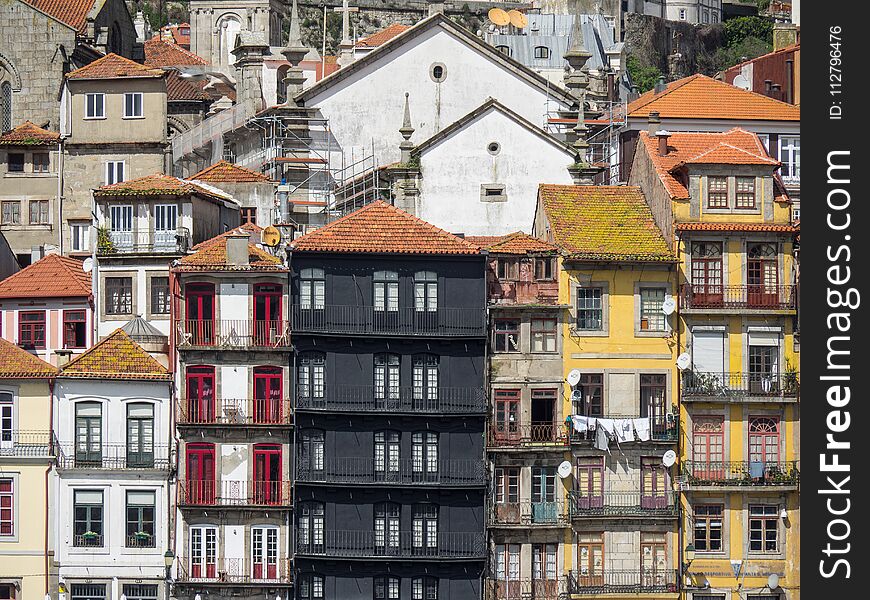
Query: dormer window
(717, 195)
(745, 192)
(504, 49)
(542, 52)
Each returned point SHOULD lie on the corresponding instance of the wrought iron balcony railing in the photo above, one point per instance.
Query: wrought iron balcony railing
(140, 540)
(401, 399)
(89, 539)
(461, 472)
(27, 443)
(113, 456)
(397, 544)
(510, 435)
(362, 320)
(640, 581)
(622, 504)
(526, 589)
(662, 428)
(234, 411)
(229, 334)
(140, 242)
(528, 513)
(742, 473)
(752, 297)
(235, 493)
(733, 386)
(233, 571)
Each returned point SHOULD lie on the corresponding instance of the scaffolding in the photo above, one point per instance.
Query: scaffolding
(604, 119)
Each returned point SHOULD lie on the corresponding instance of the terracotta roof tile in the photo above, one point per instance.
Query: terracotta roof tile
(112, 66)
(603, 222)
(116, 356)
(211, 255)
(28, 134)
(17, 363)
(383, 36)
(179, 89)
(747, 227)
(700, 97)
(251, 227)
(379, 227)
(158, 185)
(54, 276)
(160, 53)
(72, 12)
(513, 243)
(226, 172)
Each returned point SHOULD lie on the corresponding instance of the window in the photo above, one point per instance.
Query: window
(438, 72)
(790, 156)
(40, 162)
(590, 560)
(543, 335)
(588, 394)
(508, 269)
(493, 192)
(542, 52)
(387, 376)
(544, 569)
(311, 587)
(312, 289)
(74, 329)
(39, 212)
(80, 236)
(140, 519)
(506, 563)
(248, 215)
(424, 588)
(425, 291)
(386, 452)
(653, 391)
(707, 273)
(11, 213)
(88, 591)
(311, 370)
(264, 552)
(708, 443)
(132, 105)
(203, 552)
(543, 491)
(506, 335)
(386, 526)
(589, 484)
(311, 450)
(507, 485)
(165, 226)
(504, 49)
(7, 507)
(160, 297)
(386, 588)
(95, 106)
(140, 591)
(682, 14)
(708, 527)
(717, 193)
(507, 415)
(89, 434)
(545, 269)
(140, 435)
(15, 162)
(31, 329)
(386, 291)
(762, 275)
(705, 17)
(5, 106)
(114, 174)
(424, 527)
(745, 192)
(763, 443)
(88, 518)
(763, 528)
(7, 422)
(310, 529)
(425, 376)
(424, 452)
(651, 316)
(119, 296)
(590, 309)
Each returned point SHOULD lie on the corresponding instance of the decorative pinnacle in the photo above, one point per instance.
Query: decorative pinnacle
(295, 38)
(577, 55)
(406, 130)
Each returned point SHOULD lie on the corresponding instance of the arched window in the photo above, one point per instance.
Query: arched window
(387, 376)
(281, 85)
(5, 106)
(542, 52)
(228, 28)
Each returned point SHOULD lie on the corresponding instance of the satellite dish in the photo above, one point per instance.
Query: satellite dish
(270, 236)
(498, 16)
(773, 581)
(669, 458)
(683, 361)
(742, 82)
(88, 265)
(669, 305)
(564, 469)
(574, 377)
(517, 19)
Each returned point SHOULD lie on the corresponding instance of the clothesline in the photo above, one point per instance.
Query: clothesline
(606, 430)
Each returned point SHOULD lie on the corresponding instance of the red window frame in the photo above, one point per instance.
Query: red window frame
(70, 318)
(268, 393)
(764, 439)
(7, 507)
(708, 448)
(31, 333)
(200, 381)
(199, 300)
(267, 474)
(506, 425)
(267, 311)
(201, 473)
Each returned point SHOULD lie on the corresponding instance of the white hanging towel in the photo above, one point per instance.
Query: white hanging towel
(642, 428)
(607, 425)
(581, 424)
(624, 430)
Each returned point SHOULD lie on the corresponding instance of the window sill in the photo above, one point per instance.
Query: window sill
(649, 333)
(133, 118)
(35, 174)
(103, 118)
(588, 332)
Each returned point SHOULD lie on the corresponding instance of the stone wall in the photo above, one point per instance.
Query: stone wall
(678, 49)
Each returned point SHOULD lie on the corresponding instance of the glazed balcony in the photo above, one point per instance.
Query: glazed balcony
(663, 428)
(403, 399)
(113, 457)
(363, 471)
(741, 473)
(640, 581)
(144, 242)
(740, 387)
(402, 545)
(729, 298)
(234, 411)
(619, 505)
(233, 571)
(232, 334)
(242, 494)
(403, 322)
(528, 435)
(526, 589)
(27, 444)
(526, 513)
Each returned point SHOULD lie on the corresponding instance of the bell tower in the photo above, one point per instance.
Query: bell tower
(215, 25)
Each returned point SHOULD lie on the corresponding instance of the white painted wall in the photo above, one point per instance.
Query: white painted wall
(141, 295)
(235, 301)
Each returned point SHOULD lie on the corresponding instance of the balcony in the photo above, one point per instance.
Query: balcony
(233, 571)
(141, 540)
(27, 444)
(365, 320)
(403, 545)
(640, 581)
(232, 334)
(113, 457)
(404, 399)
(741, 473)
(527, 513)
(526, 589)
(730, 298)
(740, 387)
(620, 505)
(453, 472)
(89, 539)
(234, 411)
(144, 242)
(528, 435)
(663, 428)
(243, 494)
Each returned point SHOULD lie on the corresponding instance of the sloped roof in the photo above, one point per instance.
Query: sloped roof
(211, 255)
(701, 97)
(743, 227)
(53, 276)
(17, 363)
(161, 53)
(603, 223)
(28, 134)
(73, 13)
(116, 356)
(224, 171)
(249, 227)
(382, 37)
(381, 228)
(158, 185)
(112, 66)
(179, 89)
(513, 243)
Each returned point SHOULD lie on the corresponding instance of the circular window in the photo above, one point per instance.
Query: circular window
(493, 148)
(438, 72)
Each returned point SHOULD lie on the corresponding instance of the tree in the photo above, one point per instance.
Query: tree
(740, 28)
(644, 77)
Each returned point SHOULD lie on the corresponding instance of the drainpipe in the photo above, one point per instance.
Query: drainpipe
(47, 473)
(681, 530)
(59, 167)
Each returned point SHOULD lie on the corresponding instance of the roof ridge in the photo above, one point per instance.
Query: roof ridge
(671, 87)
(720, 144)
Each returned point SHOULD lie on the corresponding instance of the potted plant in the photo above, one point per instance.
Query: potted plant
(104, 241)
(142, 536)
(790, 379)
(90, 536)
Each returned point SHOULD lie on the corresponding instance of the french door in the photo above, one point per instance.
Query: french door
(267, 474)
(200, 394)
(506, 428)
(708, 443)
(653, 484)
(200, 313)
(707, 274)
(268, 395)
(268, 326)
(590, 483)
(264, 552)
(201, 473)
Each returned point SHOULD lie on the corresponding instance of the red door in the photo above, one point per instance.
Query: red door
(762, 276)
(267, 474)
(200, 395)
(707, 288)
(200, 474)
(267, 314)
(590, 483)
(506, 428)
(199, 310)
(268, 394)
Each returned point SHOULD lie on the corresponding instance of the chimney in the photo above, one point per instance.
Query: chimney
(663, 135)
(776, 91)
(767, 84)
(611, 88)
(654, 122)
(660, 85)
(237, 248)
(789, 81)
(36, 253)
(63, 356)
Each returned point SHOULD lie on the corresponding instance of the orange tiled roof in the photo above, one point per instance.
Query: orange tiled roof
(54, 276)
(157, 185)
(513, 243)
(160, 53)
(180, 89)
(28, 134)
(326, 68)
(603, 223)
(211, 255)
(747, 227)
(72, 12)
(246, 227)
(17, 363)
(116, 356)
(112, 66)
(700, 97)
(379, 227)
(224, 171)
(383, 36)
